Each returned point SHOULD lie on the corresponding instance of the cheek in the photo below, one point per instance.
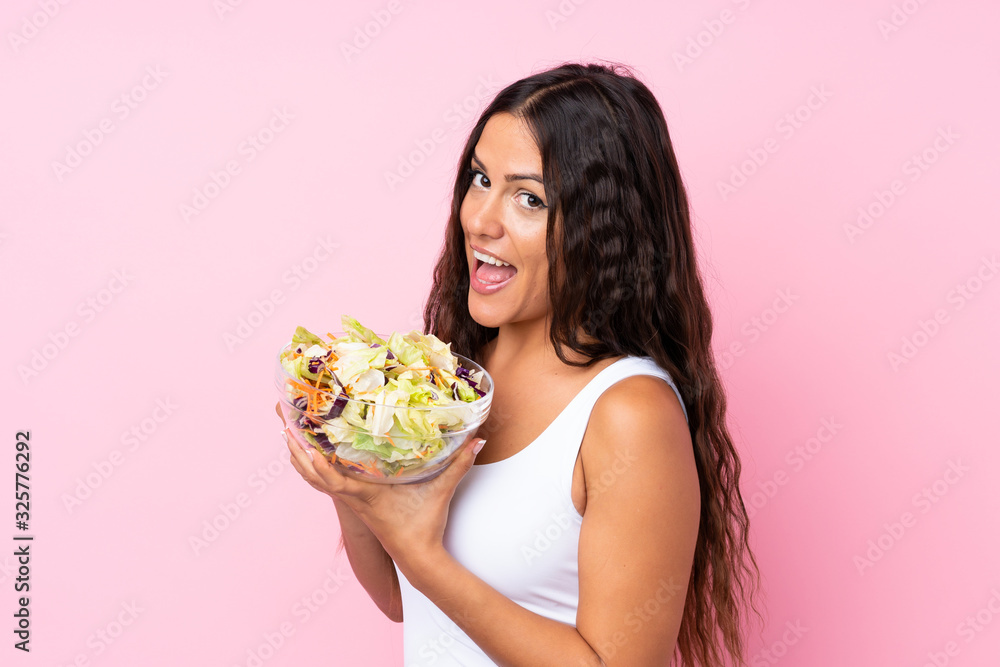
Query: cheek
(463, 214)
(535, 256)
(538, 246)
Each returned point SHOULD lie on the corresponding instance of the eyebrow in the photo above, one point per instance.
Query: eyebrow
(512, 177)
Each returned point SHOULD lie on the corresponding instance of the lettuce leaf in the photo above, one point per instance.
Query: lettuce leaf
(437, 352)
(407, 353)
(305, 337)
(364, 334)
(351, 365)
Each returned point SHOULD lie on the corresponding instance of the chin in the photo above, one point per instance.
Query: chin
(484, 316)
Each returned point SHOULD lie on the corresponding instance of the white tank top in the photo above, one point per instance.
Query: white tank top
(514, 525)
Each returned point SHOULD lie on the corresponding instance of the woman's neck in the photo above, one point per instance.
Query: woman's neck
(526, 343)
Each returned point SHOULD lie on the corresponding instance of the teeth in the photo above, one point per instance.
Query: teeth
(488, 259)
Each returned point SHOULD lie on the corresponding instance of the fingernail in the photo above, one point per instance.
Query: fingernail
(284, 435)
(478, 447)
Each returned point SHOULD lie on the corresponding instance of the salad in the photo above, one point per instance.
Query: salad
(379, 406)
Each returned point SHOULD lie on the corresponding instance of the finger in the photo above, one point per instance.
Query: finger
(304, 461)
(462, 463)
(300, 468)
(299, 452)
(281, 415)
(331, 474)
(294, 456)
(319, 471)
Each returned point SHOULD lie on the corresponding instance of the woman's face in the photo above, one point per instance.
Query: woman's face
(504, 215)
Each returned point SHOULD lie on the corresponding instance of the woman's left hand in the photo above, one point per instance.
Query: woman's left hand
(408, 519)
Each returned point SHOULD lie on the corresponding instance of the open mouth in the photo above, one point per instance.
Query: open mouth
(490, 277)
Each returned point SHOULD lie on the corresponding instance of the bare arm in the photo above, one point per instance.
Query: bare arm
(371, 564)
(636, 547)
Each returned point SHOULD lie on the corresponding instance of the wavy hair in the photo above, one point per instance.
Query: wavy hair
(628, 281)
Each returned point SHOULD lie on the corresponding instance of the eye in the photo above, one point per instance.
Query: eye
(532, 201)
(485, 183)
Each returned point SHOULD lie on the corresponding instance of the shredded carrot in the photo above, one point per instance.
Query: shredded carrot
(304, 386)
(312, 393)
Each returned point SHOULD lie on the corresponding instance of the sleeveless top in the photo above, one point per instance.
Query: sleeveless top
(513, 524)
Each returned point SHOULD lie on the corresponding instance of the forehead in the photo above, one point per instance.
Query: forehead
(506, 139)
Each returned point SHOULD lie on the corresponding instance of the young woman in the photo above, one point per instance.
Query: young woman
(596, 517)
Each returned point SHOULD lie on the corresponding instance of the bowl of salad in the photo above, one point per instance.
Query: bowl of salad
(390, 409)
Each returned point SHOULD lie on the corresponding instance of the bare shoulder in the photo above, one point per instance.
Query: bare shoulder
(642, 405)
(638, 423)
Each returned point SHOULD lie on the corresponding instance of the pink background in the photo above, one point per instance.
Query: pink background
(188, 310)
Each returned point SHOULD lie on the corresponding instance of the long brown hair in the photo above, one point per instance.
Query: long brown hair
(630, 282)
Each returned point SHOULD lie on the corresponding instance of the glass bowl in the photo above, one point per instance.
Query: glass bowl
(319, 420)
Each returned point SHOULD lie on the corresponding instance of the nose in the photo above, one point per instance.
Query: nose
(483, 214)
